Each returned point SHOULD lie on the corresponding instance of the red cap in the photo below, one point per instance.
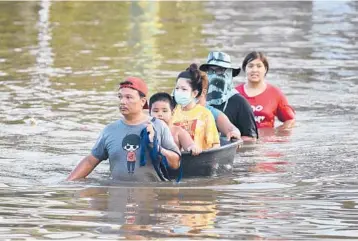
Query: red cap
(136, 84)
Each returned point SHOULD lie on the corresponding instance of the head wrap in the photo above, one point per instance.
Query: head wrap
(221, 88)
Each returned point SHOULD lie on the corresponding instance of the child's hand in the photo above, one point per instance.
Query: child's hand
(195, 150)
(150, 131)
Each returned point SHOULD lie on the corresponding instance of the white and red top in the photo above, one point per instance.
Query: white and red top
(270, 103)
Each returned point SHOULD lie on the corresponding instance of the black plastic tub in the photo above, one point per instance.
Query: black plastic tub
(211, 162)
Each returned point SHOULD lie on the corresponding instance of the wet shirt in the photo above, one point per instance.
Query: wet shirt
(267, 105)
(121, 144)
(199, 123)
(239, 112)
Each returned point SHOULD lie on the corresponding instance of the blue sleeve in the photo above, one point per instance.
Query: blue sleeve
(99, 149)
(215, 112)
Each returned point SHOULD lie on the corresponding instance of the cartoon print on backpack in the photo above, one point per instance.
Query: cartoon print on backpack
(131, 144)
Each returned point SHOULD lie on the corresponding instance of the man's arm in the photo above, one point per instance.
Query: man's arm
(169, 149)
(83, 168)
(173, 158)
(246, 119)
(226, 127)
(167, 145)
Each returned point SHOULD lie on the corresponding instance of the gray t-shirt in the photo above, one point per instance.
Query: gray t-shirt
(121, 144)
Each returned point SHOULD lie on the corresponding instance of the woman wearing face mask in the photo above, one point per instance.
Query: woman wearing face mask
(194, 118)
(266, 100)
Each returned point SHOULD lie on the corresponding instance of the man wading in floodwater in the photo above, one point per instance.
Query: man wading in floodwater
(120, 141)
(223, 96)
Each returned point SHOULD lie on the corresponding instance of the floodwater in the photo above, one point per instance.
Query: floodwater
(60, 63)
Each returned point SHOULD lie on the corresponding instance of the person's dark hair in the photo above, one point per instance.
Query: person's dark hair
(161, 96)
(141, 94)
(204, 80)
(194, 75)
(255, 55)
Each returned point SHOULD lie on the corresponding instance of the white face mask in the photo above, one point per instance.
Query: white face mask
(183, 98)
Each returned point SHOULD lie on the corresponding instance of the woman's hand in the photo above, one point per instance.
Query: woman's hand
(195, 150)
(287, 125)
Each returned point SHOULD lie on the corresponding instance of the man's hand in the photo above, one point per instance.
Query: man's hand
(150, 131)
(234, 134)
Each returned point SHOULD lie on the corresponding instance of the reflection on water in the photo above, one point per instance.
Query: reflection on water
(131, 213)
(143, 212)
(251, 211)
(44, 53)
(60, 63)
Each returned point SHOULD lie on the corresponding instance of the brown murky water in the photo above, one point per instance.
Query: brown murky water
(60, 63)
